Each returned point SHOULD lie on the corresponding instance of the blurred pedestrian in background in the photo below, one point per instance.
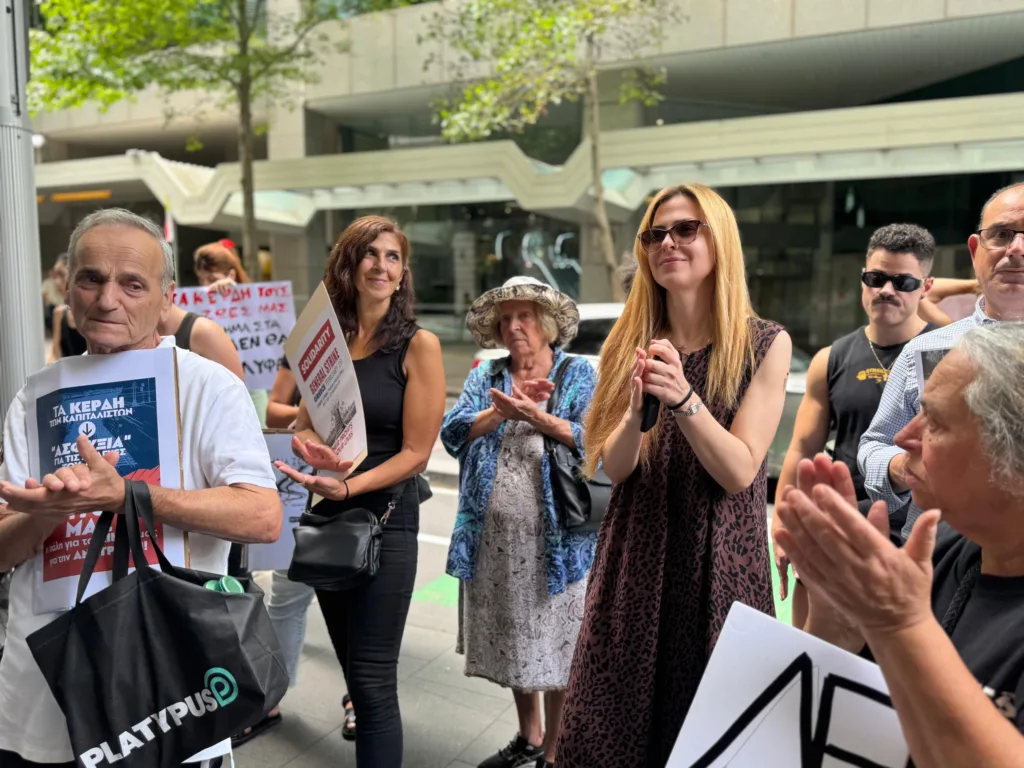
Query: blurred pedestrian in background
(55, 290)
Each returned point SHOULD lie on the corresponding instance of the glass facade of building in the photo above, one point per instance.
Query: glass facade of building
(804, 245)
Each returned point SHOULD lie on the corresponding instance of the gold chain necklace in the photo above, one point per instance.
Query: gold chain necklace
(885, 368)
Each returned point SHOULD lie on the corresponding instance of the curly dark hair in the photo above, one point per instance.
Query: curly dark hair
(905, 238)
(399, 324)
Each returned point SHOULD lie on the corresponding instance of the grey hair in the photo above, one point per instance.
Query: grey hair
(996, 398)
(905, 238)
(119, 217)
(545, 320)
(992, 199)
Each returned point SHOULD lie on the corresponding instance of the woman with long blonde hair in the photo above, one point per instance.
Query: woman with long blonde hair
(685, 534)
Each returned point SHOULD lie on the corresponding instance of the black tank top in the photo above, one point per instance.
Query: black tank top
(382, 387)
(855, 384)
(183, 336)
(72, 343)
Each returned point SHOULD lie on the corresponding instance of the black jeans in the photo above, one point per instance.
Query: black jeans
(11, 760)
(366, 627)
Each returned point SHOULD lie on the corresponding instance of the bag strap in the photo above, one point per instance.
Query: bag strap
(959, 601)
(559, 378)
(142, 507)
(121, 551)
(92, 556)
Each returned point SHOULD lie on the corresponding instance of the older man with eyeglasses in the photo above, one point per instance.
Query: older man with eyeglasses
(997, 250)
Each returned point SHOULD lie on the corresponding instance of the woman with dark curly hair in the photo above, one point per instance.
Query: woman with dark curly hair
(402, 384)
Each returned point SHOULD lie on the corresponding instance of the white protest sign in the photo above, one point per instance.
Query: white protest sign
(278, 556)
(125, 402)
(775, 697)
(326, 378)
(257, 316)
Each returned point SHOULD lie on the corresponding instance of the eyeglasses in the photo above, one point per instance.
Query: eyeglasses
(683, 233)
(997, 238)
(875, 278)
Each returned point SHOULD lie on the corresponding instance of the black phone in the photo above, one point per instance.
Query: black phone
(652, 407)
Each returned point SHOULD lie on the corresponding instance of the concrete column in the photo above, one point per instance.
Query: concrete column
(464, 255)
(821, 278)
(301, 258)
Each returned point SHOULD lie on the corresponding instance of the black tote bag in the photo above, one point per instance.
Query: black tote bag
(156, 668)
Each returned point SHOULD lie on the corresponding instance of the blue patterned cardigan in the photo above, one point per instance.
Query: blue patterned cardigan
(569, 555)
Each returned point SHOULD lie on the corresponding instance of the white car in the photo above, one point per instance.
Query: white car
(596, 321)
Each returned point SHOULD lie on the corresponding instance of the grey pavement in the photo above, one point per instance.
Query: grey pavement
(450, 721)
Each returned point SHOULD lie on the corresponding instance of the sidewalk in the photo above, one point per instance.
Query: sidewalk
(449, 720)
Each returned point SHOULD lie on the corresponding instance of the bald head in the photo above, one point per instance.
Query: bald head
(1013, 190)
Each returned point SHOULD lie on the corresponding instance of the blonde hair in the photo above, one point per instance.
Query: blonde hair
(645, 317)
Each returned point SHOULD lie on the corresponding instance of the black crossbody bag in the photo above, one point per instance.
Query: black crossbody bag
(341, 551)
(581, 503)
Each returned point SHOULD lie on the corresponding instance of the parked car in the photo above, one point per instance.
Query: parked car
(596, 321)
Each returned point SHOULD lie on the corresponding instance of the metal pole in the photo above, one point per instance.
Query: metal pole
(21, 304)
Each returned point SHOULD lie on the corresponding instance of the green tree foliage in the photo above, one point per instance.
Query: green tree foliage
(514, 60)
(231, 51)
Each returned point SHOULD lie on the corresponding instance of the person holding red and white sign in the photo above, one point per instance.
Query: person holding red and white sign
(402, 388)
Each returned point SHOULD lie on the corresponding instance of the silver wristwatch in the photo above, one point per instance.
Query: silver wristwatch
(691, 410)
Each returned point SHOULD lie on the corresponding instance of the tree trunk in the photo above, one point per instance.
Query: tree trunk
(250, 242)
(604, 227)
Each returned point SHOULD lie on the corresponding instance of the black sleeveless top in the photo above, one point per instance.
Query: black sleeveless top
(183, 336)
(72, 343)
(855, 384)
(382, 388)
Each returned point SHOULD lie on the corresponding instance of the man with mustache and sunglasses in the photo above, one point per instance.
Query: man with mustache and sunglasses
(845, 381)
(997, 250)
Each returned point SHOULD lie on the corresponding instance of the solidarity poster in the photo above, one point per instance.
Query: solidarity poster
(775, 697)
(326, 378)
(257, 316)
(278, 555)
(124, 402)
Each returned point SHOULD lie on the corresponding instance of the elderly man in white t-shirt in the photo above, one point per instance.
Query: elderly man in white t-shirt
(121, 278)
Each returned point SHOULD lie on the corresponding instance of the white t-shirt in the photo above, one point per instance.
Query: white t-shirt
(222, 444)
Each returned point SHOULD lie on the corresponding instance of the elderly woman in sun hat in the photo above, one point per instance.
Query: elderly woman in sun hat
(522, 573)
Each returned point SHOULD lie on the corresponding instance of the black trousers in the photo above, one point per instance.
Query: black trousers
(366, 627)
(11, 760)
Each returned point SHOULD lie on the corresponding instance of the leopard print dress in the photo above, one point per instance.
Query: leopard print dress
(673, 554)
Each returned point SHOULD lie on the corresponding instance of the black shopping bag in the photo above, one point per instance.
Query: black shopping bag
(156, 667)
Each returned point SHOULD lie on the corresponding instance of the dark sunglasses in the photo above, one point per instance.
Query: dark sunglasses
(683, 233)
(877, 279)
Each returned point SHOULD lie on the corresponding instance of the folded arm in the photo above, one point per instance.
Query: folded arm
(880, 460)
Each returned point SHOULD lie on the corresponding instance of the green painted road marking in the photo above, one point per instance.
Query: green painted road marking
(783, 610)
(440, 591)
